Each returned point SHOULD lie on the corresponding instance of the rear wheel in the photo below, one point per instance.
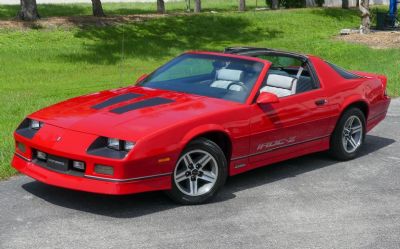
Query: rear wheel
(199, 173)
(349, 135)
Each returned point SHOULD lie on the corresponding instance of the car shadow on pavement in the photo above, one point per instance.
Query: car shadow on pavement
(132, 206)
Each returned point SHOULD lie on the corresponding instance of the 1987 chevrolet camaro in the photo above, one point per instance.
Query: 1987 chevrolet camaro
(198, 119)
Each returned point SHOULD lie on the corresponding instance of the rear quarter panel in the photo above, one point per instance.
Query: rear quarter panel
(343, 92)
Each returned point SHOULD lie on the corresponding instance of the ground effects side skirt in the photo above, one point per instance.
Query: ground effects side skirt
(116, 100)
(141, 104)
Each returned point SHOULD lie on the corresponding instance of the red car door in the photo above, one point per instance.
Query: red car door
(295, 124)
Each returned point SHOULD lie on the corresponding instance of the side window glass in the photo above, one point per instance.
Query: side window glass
(342, 72)
(284, 68)
(306, 81)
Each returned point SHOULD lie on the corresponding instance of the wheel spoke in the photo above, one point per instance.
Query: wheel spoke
(350, 122)
(193, 187)
(208, 176)
(181, 177)
(356, 129)
(204, 160)
(352, 142)
(187, 160)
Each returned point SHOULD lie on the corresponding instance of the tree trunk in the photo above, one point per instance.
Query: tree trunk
(242, 5)
(187, 5)
(345, 4)
(275, 4)
(197, 6)
(28, 11)
(365, 17)
(310, 3)
(160, 6)
(97, 8)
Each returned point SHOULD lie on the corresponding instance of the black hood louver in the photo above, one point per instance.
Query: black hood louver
(141, 104)
(116, 100)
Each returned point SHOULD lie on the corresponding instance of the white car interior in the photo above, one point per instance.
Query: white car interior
(225, 77)
(277, 83)
(280, 85)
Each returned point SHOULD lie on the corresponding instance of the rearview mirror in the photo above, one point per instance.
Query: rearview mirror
(141, 78)
(267, 98)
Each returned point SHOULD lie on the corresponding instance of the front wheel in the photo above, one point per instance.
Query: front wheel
(349, 135)
(200, 172)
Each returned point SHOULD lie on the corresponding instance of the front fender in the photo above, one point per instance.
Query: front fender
(202, 129)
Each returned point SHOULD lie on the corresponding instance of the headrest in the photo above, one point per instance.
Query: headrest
(280, 81)
(229, 75)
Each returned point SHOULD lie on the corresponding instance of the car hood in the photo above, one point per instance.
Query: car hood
(131, 112)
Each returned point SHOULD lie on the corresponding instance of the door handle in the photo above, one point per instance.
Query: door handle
(320, 102)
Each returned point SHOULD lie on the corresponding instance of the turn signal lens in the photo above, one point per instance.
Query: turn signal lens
(21, 147)
(102, 169)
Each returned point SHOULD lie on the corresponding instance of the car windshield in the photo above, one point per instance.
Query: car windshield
(207, 75)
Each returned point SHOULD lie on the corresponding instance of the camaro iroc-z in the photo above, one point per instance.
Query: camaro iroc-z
(198, 119)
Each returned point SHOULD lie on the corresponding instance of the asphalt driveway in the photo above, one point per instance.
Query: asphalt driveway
(309, 202)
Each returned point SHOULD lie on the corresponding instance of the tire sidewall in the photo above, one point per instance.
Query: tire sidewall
(336, 141)
(217, 153)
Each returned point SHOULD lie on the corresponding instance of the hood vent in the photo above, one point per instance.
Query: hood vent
(116, 100)
(141, 104)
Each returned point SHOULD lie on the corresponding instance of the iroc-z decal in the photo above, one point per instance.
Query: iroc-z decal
(276, 143)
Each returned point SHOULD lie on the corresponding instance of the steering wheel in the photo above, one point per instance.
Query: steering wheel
(238, 84)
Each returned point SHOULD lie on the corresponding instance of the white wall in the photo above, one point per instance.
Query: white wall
(352, 3)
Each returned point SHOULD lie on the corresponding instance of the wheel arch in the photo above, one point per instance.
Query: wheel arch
(214, 133)
(358, 102)
(355, 101)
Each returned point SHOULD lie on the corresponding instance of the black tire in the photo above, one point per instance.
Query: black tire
(337, 147)
(215, 151)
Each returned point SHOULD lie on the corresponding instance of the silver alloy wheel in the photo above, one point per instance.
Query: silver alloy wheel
(352, 134)
(196, 172)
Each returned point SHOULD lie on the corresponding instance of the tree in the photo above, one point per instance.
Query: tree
(365, 16)
(345, 4)
(310, 3)
(197, 6)
(242, 5)
(187, 5)
(28, 10)
(97, 8)
(160, 6)
(275, 4)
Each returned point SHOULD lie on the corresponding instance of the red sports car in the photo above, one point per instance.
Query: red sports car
(198, 119)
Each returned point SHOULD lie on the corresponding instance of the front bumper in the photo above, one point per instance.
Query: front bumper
(102, 186)
(130, 175)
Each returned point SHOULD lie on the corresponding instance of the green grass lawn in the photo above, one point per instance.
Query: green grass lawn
(43, 66)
